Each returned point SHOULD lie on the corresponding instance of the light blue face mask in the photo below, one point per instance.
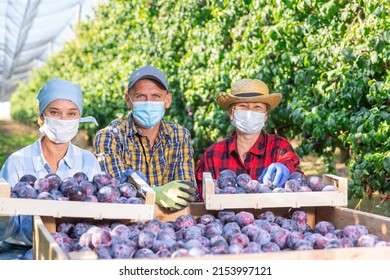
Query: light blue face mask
(148, 113)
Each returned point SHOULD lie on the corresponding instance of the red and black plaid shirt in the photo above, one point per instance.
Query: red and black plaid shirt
(269, 148)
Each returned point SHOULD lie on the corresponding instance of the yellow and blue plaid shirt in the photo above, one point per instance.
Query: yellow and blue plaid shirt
(121, 146)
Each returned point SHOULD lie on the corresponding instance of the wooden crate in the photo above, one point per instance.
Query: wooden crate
(273, 200)
(54, 208)
(44, 247)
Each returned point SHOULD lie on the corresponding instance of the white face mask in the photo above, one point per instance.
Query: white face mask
(248, 122)
(59, 131)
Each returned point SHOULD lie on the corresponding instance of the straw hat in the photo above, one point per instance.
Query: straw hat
(248, 90)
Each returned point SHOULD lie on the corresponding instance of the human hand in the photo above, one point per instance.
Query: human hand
(277, 173)
(175, 195)
(125, 175)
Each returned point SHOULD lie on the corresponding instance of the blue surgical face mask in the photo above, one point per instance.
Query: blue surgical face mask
(148, 113)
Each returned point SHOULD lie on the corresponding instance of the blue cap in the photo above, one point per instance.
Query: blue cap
(60, 89)
(148, 72)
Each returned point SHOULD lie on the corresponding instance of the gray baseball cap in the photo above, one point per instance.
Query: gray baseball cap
(148, 72)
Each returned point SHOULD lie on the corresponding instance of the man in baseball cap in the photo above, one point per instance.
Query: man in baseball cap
(158, 150)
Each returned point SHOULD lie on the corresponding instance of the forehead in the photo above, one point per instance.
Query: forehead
(147, 84)
(62, 104)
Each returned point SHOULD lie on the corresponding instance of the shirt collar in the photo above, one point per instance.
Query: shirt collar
(39, 161)
(163, 130)
(232, 143)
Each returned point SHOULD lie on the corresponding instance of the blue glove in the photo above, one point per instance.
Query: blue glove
(125, 175)
(277, 173)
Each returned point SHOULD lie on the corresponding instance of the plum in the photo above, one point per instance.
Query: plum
(102, 237)
(268, 216)
(227, 190)
(352, 232)
(79, 229)
(234, 249)
(226, 178)
(289, 224)
(89, 188)
(67, 183)
(26, 191)
(41, 185)
(184, 221)
(164, 253)
(263, 224)
(324, 227)
(80, 177)
(299, 216)
(145, 239)
(367, 240)
(244, 218)
(243, 180)
(91, 198)
(315, 183)
(253, 186)
(305, 189)
(76, 193)
(101, 179)
(293, 238)
(302, 245)
(292, 185)
(127, 189)
(240, 239)
(85, 240)
(279, 237)
(179, 253)
(329, 188)
(270, 247)
(192, 232)
(30, 179)
(298, 176)
(102, 252)
(65, 227)
(262, 237)
(252, 248)
(54, 181)
(197, 252)
(219, 247)
(108, 194)
(213, 229)
(56, 194)
(206, 219)
(122, 251)
(230, 228)
(135, 200)
(265, 189)
(122, 231)
(45, 196)
(251, 231)
(226, 216)
(193, 243)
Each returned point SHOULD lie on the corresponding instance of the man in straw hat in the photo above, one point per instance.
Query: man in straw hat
(249, 149)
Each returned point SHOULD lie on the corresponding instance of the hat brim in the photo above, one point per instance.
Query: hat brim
(224, 100)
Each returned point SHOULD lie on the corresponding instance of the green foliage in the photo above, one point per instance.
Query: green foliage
(329, 59)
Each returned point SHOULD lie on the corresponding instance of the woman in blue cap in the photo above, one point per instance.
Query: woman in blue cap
(60, 109)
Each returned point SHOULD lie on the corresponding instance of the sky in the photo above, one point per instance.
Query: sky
(65, 35)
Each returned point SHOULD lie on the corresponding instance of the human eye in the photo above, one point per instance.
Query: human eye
(139, 97)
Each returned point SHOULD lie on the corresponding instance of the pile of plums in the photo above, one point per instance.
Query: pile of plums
(102, 188)
(228, 182)
(226, 233)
